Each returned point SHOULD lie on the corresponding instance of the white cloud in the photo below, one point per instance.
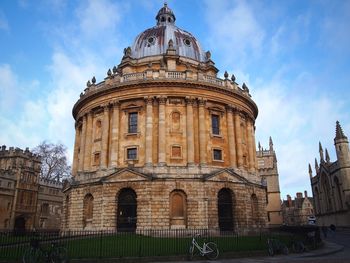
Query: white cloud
(234, 28)
(296, 123)
(9, 89)
(4, 25)
(97, 16)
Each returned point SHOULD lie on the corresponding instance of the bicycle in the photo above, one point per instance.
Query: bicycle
(298, 246)
(275, 246)
(209, 249)
(36, 254)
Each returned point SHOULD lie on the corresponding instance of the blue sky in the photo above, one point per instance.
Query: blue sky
(293, 55)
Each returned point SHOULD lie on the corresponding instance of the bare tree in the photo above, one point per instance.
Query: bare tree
(54, 164)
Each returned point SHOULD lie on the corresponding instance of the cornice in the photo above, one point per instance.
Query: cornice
(198, 85)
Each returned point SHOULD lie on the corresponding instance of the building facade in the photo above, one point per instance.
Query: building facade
(298, 211)
(25, 202)
(163, 143)
(331, 183)
(268, 171)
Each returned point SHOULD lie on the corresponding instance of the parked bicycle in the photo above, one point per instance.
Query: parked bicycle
(208, 249)
(37, 254)
(275, 246)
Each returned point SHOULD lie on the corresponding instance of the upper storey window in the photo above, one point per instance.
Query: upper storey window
(215, 124)
(132, 127)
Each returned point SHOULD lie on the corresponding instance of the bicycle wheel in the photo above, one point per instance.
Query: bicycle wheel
(191, 252)
(285, 250)
(211, 251)
(32, 256)
(298, 247)
(59, 255)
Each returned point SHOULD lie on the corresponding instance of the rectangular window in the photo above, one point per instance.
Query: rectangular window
(215, 124)
(131, 153)
(217, 154)
(132, 122)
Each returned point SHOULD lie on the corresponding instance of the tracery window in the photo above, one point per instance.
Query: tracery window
(132, 122)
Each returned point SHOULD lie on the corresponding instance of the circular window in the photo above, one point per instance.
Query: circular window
(151, 41)
(187, 42)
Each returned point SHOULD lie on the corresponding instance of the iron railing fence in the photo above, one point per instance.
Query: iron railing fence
(125, 244)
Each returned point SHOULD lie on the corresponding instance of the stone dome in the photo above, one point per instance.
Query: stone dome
(155, 41)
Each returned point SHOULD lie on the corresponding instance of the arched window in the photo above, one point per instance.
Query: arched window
(327, 191)
(225, 210)
(178, 209)
(255, 208)
(338, 193)
(88, 210)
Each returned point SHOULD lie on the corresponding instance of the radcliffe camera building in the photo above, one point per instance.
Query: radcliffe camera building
(163, 143)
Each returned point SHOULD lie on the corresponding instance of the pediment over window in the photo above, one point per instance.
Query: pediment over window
(225, 175)
(126, 175)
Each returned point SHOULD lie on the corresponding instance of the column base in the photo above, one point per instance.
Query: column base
(162, 164)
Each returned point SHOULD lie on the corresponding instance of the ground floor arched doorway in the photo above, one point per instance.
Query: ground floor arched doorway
(126, 212)
(20, 224)
(225, 214)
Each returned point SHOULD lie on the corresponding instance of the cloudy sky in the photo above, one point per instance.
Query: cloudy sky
(293, 55)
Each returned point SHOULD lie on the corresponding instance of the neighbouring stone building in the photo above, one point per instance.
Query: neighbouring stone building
(268, 171)
(26, 202)
(298, 211)
(331, 183)
(163, 143)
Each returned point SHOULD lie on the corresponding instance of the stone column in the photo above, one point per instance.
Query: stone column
(82, 145)
(88, 142)
(189, 128)
(254, 145)
(251, 164)
(105, 132)
(202, 137)
(76, 148)
(149, 131)
(231, 137)
(114, 150)
(238, 139)
(162, 132)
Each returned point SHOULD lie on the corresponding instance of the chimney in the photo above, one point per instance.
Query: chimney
(299, 195)
(305, 194)
(289, 199)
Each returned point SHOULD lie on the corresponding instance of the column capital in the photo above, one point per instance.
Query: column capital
(105, 106)
(149, 100)
(115, 103)
(229, 108)
(201, 102)
(189, 100)
(162, 99)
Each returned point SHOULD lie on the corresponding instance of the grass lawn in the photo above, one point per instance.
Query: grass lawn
(133, 245)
